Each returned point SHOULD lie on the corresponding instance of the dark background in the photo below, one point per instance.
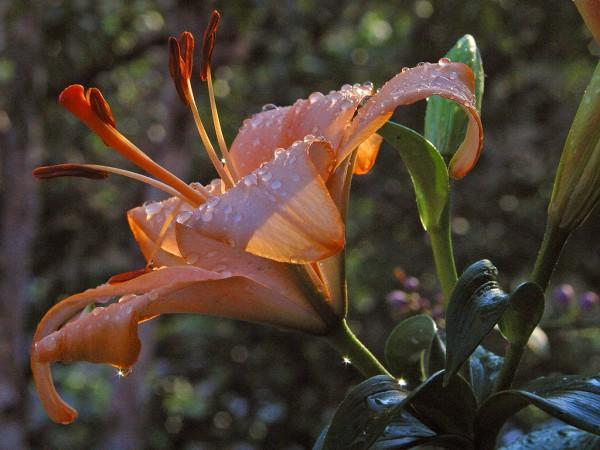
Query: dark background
(205, 383)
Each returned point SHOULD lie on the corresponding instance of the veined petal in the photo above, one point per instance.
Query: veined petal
(281, 211)
(216, 256)
(146, 223)
(109, 335)
(325, 115)
(258, 139)
(454, 81)
(320, 115)
(367, 154)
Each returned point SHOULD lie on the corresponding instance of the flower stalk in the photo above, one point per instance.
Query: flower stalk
(354, 352)
(443, 255)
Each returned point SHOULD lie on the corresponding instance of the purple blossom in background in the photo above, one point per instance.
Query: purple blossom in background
(588, 300)
(563, 296)
(412, 284)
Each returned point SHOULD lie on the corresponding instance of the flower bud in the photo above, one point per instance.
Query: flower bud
(577, 184)
(590, 11)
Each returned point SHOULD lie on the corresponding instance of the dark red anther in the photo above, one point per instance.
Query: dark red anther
(126, 276)
(175, 69)
(100, 106)
(69, 170)
(208, 43)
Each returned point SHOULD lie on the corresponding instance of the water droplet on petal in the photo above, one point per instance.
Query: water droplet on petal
(405, 69)
(269, 107)
(368, 85)
(309, 138)
(420, 64)
(275, 184)
(207, 216)
(251, 180)
(267, 176)
(228, 209)
(184, 217)
(444, 61)
(314, 97)
(153, 209)
(237, 217)
(154, 295)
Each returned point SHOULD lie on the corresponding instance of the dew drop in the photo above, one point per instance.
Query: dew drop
(269, 107)
(314, 97)
(250, 180)
(237, 217)
(226, 274)
(184, 217)
(309, 138)
(207, 216)
(275, 185)
(368, 85)
(153, 295)
(228, 209)
(444, 61)
(420, 64)
(405, 69)
(267, 176)
(153, 209)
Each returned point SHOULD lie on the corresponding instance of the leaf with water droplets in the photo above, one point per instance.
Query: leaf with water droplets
(484, 367)
(426, 167)
(445, 121)
(573, 399)
(555, 436)
(475, 306)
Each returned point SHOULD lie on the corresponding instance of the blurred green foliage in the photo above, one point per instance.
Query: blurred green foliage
(216, 384)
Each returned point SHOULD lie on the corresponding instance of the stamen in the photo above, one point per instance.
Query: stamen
(74, 99)
(163, 233)
(208, 43)
(99, 172)
(175, 69)
(69, 170)
(218, 131)
(126, 276)
(223, 173)
(101, 107)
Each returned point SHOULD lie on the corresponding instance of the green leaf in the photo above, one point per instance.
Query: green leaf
(476, 305)
(363, 414)
(436, 356)
(524, 312)
(426, 167)
(406, 346)
(447, 409)
(445, 121)
(556, 437)
(484, 367)
(573, 399)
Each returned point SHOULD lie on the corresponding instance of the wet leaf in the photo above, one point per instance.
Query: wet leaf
(445, 122)
(484, 367)
(556, 437)
(426, 167)
(476, 305)
(573, 399)
(406, 346)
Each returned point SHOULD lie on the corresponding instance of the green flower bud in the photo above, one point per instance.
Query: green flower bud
(577, 184)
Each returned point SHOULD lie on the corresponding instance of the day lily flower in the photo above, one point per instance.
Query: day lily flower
(262, 243)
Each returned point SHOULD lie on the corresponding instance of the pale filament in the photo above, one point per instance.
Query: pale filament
(144, 179)
(222, 171)
(218, 131)
(163, 233)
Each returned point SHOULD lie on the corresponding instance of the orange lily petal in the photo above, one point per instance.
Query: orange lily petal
(146, 224)
(216, 256)
(109, 335)
(281, 211)
(454, 81)
(258, 139)
(326, 115)
(367, 154)
(319, 115)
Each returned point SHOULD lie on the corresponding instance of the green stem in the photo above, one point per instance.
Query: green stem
(509, 367)
(348, 345)
(443, 256)
(552, 244)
